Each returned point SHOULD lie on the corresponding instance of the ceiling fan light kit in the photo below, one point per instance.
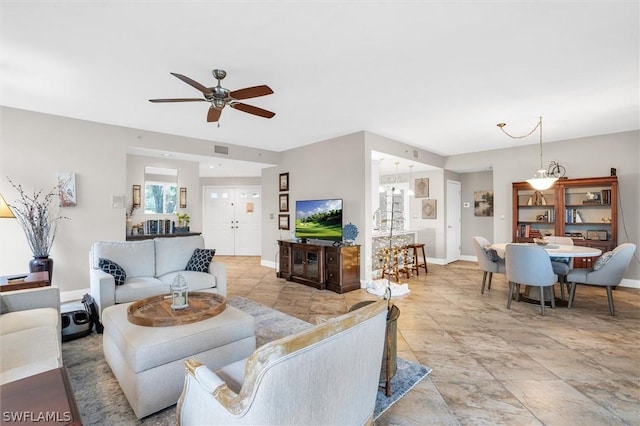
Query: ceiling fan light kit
(540, 179)
(219, 97)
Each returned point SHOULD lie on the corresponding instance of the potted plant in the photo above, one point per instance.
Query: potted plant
(183, 222)
(38, 215)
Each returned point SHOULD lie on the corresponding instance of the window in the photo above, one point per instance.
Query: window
(160, 190)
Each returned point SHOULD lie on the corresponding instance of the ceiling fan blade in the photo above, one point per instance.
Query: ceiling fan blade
(251, 92)
(252, 110)
(179, 100)
(214, 114)
(192, 83)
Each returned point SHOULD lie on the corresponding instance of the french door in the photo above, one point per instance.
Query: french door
(232, 220)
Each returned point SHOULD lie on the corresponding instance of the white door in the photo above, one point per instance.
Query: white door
(232, 223)
(453, 220)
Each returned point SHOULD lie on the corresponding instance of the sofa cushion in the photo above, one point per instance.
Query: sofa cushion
(200, 260)
(135, 257)
(172, 254)
(28, 352)
(195, 280)
(11, 322)
(139, 288)
(112, 268)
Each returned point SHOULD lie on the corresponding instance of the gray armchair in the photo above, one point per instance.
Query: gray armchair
(488, 260)
(327, 374)
(529, 265)
(608, 275)
(561, 266)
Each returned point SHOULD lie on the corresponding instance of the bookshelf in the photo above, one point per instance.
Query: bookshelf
(584, 209)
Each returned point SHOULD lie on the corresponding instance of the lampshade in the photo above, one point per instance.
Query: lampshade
(5, 211)
(541, 181)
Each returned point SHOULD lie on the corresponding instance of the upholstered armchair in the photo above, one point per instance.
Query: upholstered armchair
(327, 374)
(607, 271)
(488, 260)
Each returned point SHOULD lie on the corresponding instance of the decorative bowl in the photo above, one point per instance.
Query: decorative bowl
(540, 241)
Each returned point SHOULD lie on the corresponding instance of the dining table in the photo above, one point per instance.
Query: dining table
(554, 251)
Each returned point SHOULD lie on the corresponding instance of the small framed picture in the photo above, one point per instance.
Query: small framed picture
(284, 182)
(283, 221)
(429, 209)
(284, 202)
(422, 188)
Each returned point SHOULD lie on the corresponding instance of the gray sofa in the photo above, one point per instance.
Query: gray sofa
(30, 333)
(150, 266)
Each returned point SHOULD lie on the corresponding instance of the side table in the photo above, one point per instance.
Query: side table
(45, 398)
(30, 280)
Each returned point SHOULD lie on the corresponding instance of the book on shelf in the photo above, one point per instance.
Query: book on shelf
(159, 226)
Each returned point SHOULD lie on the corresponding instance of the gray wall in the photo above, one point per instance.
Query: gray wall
(472, 224)
(34, 147)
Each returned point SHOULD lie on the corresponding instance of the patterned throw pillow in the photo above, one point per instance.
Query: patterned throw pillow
(112, 268)
(492, 255)
(602, 260)
(200, 260)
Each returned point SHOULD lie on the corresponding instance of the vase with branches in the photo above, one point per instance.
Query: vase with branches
(38, 216)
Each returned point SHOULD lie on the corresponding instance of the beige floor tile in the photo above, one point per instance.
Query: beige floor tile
(491, 365)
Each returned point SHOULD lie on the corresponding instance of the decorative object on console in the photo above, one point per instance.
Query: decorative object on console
(349, 233)
(283, 182)
(183, 222)
(541, 179)
(39, 220)
(136, 196)
(179, 293)
(183, 198)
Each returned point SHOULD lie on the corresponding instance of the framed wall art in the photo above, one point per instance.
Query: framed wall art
(283, 221)
(67, 188)
(284, 182)
(421, 188)
(284, 202)
(429, 209)
(483, 203)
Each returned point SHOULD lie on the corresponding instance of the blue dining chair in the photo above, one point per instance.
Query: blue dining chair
(529, 264)
(608, 271)
(488, 260)
(561, 265)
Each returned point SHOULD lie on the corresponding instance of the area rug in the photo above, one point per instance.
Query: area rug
(100, 400)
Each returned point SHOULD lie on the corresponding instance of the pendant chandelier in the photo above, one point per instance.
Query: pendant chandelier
(540, 179)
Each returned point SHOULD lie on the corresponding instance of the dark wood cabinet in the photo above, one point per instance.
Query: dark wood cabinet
(584, 209)
(320, 266)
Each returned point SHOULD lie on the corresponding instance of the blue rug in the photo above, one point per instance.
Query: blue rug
(407, 376)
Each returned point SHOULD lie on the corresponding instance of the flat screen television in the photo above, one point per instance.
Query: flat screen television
(319, 219)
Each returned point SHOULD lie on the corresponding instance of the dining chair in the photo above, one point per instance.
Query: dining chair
(561, 265)
(608, 271)
(529, 265)
(488, 260)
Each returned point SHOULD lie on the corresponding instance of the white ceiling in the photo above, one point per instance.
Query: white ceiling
(437, 75)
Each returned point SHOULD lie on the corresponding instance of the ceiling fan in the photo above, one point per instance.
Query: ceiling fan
(219, 97)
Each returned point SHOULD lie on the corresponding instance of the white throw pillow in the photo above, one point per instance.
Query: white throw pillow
(602, 260)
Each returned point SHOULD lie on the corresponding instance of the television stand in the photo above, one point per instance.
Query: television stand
(322, 266)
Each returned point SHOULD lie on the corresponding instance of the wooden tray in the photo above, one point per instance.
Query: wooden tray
(156, 311)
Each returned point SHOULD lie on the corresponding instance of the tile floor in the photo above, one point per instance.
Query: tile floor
(491, 365)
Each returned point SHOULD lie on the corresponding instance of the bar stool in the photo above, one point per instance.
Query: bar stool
(416, 263)
(395, 261)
